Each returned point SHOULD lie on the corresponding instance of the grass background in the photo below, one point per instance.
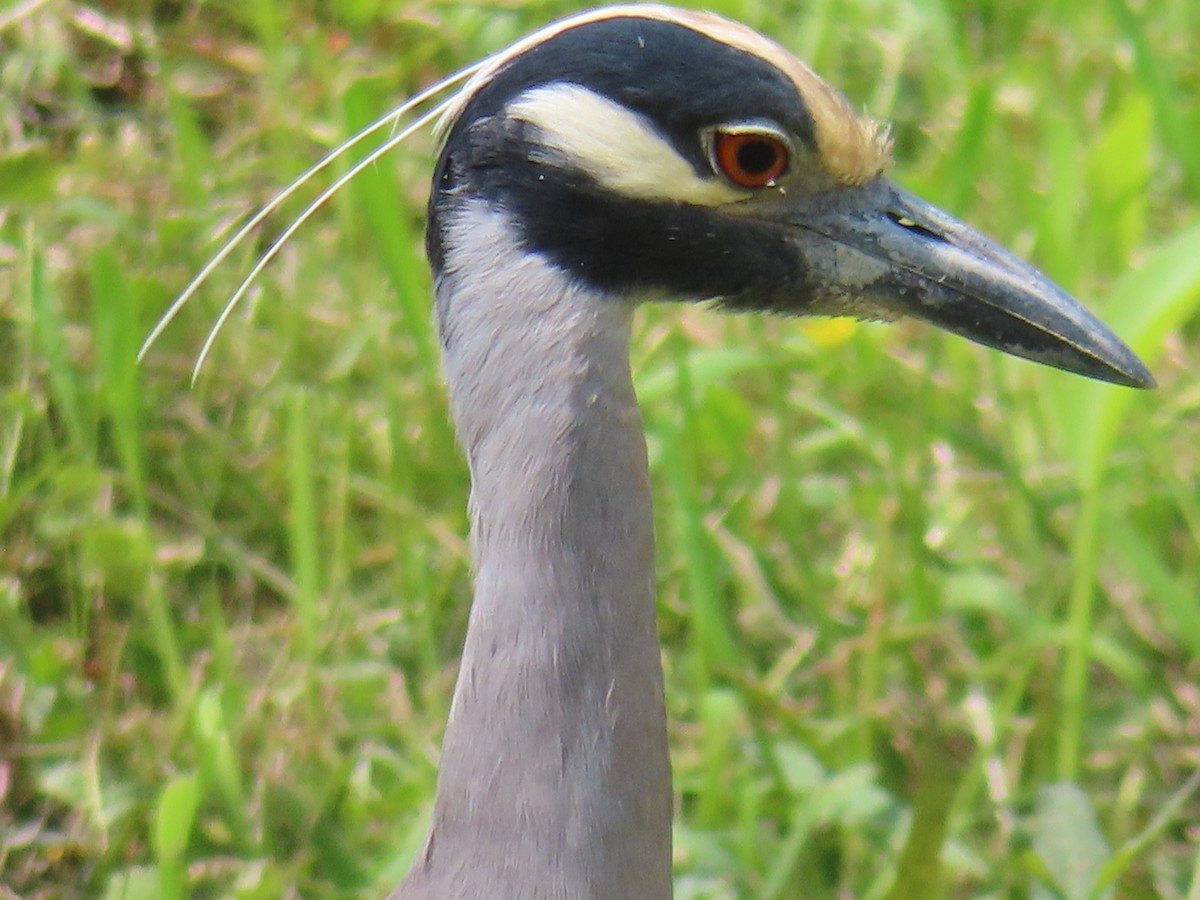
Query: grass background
(930, 616)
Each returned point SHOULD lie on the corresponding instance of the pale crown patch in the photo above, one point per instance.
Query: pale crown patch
(853, 149)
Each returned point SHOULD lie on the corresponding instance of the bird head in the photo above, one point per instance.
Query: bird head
(656, 153)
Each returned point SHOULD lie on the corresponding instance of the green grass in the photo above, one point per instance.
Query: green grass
(930, 616)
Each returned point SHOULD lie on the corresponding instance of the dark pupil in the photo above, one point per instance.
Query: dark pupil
(756, 157)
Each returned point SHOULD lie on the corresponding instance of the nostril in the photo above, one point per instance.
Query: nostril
(914, 226)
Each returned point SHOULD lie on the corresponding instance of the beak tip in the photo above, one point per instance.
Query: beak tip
(1142, 379)
(1125, 367)
(1127, 371)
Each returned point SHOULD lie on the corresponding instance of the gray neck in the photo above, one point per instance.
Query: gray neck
(555, 782)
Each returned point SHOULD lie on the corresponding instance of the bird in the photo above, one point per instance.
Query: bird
(627, 155)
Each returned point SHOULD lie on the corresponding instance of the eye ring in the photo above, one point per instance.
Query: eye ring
(750, 157)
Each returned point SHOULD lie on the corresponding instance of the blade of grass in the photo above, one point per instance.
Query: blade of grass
(1080, 610)
(174, 815)
(49, 336)
(945, 758)
(1143, 307)
(302, 523)
(1171, 593)
(374, 193)
(1194, 887)
(117, 337)
(970, 143)
(115, 324)
(719, 712)
(1169, 108)
(1168, 814)
(220, 768)
(713, 643)
(192, 149)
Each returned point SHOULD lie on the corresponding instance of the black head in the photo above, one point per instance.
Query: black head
(651, 152)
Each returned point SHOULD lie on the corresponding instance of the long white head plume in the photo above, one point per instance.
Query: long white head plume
(390, 118)
(853, 147)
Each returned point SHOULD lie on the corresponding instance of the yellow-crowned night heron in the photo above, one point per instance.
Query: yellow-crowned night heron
(624, 155)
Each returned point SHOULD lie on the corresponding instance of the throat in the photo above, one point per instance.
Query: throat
(554, 766)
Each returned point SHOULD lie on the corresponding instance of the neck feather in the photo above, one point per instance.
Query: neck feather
(555, 781)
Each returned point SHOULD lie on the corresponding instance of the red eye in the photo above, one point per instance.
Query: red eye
(750, 159)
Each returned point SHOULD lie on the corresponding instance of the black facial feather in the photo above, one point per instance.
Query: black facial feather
(682, 82)
(679, 79)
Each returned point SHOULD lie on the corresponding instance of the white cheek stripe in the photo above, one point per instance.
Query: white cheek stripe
(615, 146)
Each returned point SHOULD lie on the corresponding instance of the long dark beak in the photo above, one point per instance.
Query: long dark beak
(877, 250)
